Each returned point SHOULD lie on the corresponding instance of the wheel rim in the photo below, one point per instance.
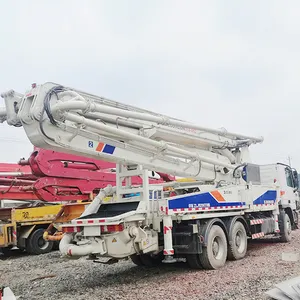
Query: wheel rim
(218, 248)
(239, 241)
(42, 244)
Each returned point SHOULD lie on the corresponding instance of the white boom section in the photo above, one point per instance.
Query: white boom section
(9, 113)
(2, 115)
(67, 120)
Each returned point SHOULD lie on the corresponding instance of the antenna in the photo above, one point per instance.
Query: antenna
(289, 159)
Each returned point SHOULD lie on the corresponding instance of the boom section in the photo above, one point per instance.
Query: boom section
(64, 119)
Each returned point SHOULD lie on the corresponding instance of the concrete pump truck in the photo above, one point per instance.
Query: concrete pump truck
(205, 220)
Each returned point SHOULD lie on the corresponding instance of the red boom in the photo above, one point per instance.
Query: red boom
(53, 176)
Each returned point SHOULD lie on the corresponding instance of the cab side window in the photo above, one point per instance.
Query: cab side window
(289, 177)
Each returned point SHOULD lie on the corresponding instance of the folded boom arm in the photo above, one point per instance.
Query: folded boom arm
(74, 122)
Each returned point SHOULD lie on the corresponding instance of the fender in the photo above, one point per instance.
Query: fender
(26, 231)
(24, 234)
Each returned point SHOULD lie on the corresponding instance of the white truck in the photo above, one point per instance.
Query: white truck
(205, 219)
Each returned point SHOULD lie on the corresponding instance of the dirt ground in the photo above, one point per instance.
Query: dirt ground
(51, 277)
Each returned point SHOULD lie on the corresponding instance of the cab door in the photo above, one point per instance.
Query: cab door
(288, 194)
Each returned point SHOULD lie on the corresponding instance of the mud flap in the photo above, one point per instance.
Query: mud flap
(24, 234)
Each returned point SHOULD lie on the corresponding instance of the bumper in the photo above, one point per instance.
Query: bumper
(119, 245)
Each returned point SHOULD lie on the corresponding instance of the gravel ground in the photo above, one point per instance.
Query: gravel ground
(82, 279)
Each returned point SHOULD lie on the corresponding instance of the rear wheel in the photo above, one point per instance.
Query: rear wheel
(238, 246)
(285, 227)
(36, 243)
(136, 259)
(215, 254)
(152, 260)
(148, 260)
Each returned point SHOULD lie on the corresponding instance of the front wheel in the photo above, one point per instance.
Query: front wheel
(285, 227)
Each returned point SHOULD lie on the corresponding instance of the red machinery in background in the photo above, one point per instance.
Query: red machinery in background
(12, 178)
(57, 177)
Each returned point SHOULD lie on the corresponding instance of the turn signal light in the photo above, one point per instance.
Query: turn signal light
(70, 229)
(112, 228)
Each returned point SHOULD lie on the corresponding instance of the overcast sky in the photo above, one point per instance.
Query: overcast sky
(232, 64)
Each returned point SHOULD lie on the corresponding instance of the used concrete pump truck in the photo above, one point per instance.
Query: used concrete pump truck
(205, 220)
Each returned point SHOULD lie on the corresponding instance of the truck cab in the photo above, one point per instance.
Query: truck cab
(287, 179)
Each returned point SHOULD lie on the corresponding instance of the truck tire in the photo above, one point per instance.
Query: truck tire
(147, 260)
(285, 227)
(238, 246)
(136, 259)
(150, 260)
(215, 254)
(36, 244)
